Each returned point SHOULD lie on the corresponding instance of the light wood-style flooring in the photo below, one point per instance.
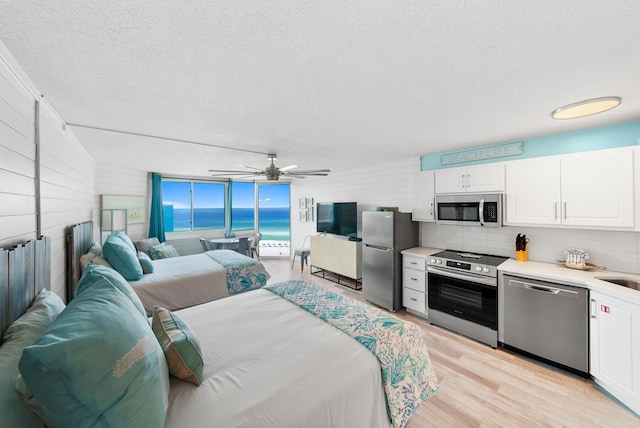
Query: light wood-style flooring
(485, 387)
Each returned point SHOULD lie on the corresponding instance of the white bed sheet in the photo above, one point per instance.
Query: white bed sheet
(269, 363)
(180, 282)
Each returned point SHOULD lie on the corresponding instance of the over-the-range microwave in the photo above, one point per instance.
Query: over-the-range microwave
(470, 209)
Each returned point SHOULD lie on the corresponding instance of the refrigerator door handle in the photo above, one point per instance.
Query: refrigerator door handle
(377, 247)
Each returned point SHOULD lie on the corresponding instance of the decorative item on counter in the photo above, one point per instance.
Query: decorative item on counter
(522, 252)
(577, 259)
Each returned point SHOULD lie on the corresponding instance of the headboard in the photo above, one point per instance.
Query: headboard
(79, 241)
(24, 271)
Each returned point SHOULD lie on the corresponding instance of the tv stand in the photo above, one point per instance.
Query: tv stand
(337, 260)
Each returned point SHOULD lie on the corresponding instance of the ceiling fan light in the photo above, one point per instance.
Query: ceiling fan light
(586, 108)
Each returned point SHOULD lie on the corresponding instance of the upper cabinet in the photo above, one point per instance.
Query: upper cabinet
(477, 178)
(423, 197)
(581, 189)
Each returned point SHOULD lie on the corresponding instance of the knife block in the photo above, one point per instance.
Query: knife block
(522, 256)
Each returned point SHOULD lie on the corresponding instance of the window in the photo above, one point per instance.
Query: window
(193, 205)
(243, 206)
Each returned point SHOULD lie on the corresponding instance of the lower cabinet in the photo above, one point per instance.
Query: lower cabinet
(615, 347)
(414, 284)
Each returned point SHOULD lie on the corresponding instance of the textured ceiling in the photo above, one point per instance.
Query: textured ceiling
(324, 84)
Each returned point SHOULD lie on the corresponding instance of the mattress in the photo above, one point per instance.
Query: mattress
(180, 282)
(269, 363)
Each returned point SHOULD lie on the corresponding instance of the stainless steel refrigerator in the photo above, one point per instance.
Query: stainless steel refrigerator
(384, 235)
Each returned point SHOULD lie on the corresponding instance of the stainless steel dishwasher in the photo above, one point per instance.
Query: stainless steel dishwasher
(549, 321)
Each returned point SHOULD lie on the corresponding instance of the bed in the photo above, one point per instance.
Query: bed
(280, 356)
(177, 282)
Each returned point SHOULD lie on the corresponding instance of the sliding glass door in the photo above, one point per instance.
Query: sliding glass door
(274, 214)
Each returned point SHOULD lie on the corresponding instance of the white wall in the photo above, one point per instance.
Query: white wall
(64, 173)
(114, 180)
(385, 185)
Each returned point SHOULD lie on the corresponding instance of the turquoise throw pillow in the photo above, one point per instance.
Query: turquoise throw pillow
(180, 346)
(99, 364)
(125, 238)
(122, 257)
(96, 275)
(145, 262)
(21, 333)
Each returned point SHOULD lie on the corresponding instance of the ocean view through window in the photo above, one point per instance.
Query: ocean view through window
(199, 205)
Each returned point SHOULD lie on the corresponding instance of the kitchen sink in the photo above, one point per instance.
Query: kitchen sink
(625, 282)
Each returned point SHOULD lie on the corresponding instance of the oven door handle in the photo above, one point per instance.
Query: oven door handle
(481, 212)
(476, 279)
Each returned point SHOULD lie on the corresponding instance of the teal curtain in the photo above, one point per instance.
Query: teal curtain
(156, 223)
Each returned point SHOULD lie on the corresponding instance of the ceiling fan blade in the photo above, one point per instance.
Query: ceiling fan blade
(223, 173)
(286, 168)
(309, 173)
(312, 171)
(251, 167)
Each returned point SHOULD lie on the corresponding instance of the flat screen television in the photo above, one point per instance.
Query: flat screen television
(337, 218)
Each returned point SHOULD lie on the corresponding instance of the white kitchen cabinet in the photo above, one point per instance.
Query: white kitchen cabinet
(533, 191)
(423, 197)
(581, 189)
(414, 284)
(615, 347)
(477, 178)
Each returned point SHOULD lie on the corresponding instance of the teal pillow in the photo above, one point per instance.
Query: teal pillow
(145, 262)
(99, 364)
(125, 238)
(122, 258)
(96, 275)
(180, 346)
(23, 332)
(163, 251)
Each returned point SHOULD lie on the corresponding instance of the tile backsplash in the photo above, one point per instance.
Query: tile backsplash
(618, 251)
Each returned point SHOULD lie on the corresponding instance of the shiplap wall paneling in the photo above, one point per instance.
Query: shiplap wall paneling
(67, 186)
(18, 154)
(385, 185)
(114, 180)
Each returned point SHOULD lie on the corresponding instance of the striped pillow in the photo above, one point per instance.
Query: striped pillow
(181, 348)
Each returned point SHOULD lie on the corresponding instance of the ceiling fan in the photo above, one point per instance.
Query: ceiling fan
(271, 172)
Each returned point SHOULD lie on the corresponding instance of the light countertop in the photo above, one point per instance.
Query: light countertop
(420, 251)
(555, 272)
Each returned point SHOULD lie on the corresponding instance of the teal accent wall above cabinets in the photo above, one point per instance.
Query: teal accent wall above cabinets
(604, 137)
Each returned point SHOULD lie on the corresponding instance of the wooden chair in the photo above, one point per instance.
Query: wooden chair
(254, 248)
(243, 245)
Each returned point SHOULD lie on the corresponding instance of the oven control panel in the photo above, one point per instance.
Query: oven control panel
(476, 268)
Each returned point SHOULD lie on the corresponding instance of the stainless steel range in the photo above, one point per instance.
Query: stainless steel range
(463, 293)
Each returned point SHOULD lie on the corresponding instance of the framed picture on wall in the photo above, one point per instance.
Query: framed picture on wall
(135, 206)
(310, 213)
(303, 215)
(303, 203)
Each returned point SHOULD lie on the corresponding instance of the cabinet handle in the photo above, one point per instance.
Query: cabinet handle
(414, 263)
(462, 181)
(431, 208)
(594, 308)
(468, 181)
(555, 211)
(414, 279)
(414, 299)
(565, 210)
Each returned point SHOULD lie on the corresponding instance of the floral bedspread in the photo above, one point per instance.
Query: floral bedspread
(407, 372)
(243, 273)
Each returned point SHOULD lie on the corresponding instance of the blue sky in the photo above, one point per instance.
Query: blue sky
(209, 195)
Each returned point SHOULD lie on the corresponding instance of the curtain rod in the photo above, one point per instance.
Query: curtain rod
(137, 134)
